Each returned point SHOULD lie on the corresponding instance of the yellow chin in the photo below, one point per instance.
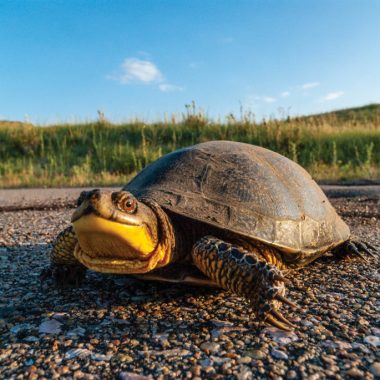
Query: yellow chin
(112, 247)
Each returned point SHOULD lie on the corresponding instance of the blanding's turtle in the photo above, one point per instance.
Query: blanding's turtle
(219, 213)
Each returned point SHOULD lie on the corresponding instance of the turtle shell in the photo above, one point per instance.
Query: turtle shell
(246, 189)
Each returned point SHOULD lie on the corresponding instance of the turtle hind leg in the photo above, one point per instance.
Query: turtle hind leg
(356, 247)
(246, 274)
(64, 268)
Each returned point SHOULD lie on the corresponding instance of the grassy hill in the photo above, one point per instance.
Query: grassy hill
(343, 144)
(369, 113)
(14, 124)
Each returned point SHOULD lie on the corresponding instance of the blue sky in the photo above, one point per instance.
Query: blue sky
(61, 61)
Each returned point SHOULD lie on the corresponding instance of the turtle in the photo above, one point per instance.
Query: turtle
(220, 213)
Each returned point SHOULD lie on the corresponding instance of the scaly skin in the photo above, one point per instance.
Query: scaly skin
(63, 248)
(245, 274)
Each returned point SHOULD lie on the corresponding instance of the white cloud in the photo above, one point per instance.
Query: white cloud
(134, 70)
(333, 95)
(166, 87)
(137, 70)
(268, 99)
(306, 86)
(285, 94)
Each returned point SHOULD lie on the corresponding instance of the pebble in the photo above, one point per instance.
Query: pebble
(125, 358)
(17, 329)
(244, 360)
(78, 352)
(78, 331)
(256, 354)
(291, 374)
(372, 340)
(244, 373)
(52, 326)
(31, 339)
(277, 354)
(355, 372)
(210, 347)
(280, 336)
(375, 369)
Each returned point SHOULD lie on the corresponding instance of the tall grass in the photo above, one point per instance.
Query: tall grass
(100, 153)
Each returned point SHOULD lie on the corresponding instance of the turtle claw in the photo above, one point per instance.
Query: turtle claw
(275, 313)
(367, 248)
(283, 299)
(276, 319)
(358, 248)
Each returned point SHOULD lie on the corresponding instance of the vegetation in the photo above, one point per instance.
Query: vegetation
(331, 146)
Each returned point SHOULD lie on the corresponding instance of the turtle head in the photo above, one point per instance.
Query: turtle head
(116, 232)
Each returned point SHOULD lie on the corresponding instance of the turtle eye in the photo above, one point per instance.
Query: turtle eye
(129, 205)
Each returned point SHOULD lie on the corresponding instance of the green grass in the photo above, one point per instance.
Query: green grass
(334, 146)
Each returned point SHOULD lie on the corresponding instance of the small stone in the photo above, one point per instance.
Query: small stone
(78, 331)
(256, 354)
(51, 326)
(244, 360)
(125, 358)
(363, 322)
(343, 345)
(17, 329)
(280, 336)
(133, 376)
(362, 347)
(375, 331)
(218, 360)
(205, 363)
(291, 375)
(210, 347)
(375, 369)
(209, 369)
(101, 357)
(372, 340)
(277, 354)
(355, 372)
(245, 373)
(31, 339)
(63, 370)
(78, 374)
(78, 352)
(196, 370)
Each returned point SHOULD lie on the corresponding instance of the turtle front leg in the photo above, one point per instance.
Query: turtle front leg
(64, 268)
(246, 274)
(355, 247)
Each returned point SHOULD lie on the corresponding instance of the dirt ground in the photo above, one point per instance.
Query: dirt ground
(119, 327)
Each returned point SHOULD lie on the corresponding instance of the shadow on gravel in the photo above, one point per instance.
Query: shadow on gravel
(111, 302)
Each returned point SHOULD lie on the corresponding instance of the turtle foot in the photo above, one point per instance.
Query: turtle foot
(358, 248)
(64, 276)
(246, 274)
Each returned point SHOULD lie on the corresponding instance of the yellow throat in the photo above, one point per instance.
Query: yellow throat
(112, 247)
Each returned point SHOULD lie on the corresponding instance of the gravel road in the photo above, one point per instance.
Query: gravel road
(116, 327)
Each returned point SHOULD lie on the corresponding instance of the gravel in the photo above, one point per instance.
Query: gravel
(117, 327)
